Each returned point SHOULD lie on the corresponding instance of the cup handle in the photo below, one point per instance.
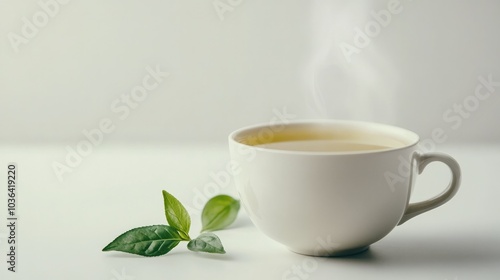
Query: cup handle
(414, 209)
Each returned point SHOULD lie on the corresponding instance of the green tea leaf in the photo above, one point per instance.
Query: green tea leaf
(176, 215)
(206, 242)
(219, 212)
(149, 241)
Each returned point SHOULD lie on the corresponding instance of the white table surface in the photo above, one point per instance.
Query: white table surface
(62, 227)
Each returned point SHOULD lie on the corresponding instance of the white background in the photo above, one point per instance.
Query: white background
(263, 56)
(252, 63)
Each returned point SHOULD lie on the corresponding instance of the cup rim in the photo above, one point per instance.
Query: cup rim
(409, 137)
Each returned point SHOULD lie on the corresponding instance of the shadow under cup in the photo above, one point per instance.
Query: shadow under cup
(328, 188)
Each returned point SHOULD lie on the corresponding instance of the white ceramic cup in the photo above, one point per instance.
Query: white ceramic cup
(331, 203)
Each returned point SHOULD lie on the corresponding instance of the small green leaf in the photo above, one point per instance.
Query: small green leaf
(149, 241)
(176, 215)
(219, 212)
(206, 242)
